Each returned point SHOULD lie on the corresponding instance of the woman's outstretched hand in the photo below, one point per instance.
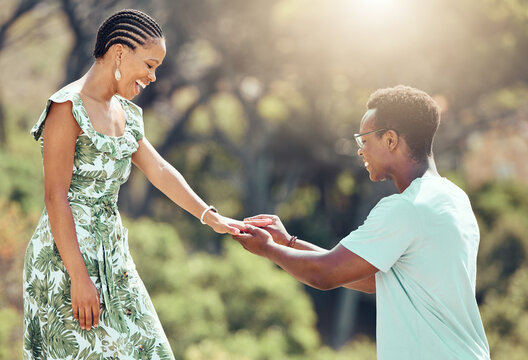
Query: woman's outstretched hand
(224, 225)
(272, 224)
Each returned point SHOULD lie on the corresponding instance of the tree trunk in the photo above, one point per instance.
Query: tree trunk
(3, 137)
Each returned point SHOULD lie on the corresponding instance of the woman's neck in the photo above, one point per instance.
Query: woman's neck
(96, 84)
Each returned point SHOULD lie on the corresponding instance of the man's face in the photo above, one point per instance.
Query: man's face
(374, 153)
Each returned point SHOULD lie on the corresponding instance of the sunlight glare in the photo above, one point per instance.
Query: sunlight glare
(381, 10)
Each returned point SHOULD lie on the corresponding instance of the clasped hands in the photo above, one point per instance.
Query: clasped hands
(256, 234)
(261, 232)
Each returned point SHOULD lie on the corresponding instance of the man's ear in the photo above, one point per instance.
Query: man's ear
(391, 139)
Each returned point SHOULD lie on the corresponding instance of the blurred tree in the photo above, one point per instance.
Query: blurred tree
(83, 18)
(502, 209)
(15, 230)
(232, 304)
(6, 23)
(256, 104)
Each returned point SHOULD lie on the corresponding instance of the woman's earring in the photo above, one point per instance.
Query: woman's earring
(117, 73)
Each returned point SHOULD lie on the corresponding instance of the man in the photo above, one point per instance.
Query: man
(417, 249)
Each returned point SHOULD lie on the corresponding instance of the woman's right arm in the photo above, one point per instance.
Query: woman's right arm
(60, 134)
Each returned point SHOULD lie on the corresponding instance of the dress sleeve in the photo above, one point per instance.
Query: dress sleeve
(135, 115)
(117, 147)
(78, 112)
(386, 234)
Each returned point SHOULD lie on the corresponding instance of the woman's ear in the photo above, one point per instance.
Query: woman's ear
(118, 51)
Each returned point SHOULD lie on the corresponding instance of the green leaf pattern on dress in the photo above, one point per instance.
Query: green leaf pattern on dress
(129, 327)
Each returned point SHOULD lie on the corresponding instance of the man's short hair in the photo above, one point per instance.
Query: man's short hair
(412, 113)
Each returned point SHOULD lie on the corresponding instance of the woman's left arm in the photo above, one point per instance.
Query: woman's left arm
(170, 182)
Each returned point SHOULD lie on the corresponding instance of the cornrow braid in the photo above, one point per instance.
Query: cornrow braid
(128, 27)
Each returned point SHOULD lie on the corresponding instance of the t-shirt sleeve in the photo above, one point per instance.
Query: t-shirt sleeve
(386, 234)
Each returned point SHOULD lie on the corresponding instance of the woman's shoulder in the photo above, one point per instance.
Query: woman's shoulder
(68, 92)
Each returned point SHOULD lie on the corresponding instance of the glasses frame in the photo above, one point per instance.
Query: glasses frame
(359, 141)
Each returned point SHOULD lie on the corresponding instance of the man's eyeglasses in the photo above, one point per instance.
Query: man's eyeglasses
(359, 137)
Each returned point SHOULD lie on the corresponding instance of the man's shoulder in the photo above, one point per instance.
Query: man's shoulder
(432, 187)
(395, 206)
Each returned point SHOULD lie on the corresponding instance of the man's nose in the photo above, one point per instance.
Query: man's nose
(360, 152)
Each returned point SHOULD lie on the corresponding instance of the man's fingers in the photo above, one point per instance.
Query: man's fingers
(242, 237)
(240, 226)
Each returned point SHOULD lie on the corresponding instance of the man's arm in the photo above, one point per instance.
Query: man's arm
(323, 270)
(273, 225)
(367, 285)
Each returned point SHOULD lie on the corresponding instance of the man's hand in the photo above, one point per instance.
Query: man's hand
(255, 240)
(273, 225)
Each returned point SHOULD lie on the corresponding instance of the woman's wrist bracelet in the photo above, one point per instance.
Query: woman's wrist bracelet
(210, 207)
(292, 241)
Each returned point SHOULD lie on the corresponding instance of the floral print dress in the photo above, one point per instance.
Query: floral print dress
(128, 326)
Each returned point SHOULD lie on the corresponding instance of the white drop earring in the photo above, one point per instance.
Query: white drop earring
(117, 74)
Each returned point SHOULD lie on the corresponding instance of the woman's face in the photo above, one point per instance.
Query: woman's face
(138, 67)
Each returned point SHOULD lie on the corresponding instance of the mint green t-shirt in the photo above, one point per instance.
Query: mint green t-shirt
(424, 241)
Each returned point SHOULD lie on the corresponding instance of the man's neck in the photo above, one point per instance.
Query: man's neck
(407, 174)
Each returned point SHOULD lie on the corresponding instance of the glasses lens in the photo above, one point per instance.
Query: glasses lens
(359, 141)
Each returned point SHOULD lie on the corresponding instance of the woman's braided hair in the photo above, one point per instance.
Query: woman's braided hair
(128, 27)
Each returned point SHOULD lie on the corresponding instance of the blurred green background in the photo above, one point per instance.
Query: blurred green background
(256, 104)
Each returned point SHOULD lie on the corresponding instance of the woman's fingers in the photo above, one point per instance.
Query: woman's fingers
(75, 311)
(260, 217)
(88, 315)
(82, 318)
(259, 222)
(96, 311)
(231, 230)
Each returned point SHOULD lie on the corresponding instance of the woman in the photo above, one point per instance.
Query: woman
(83, 298)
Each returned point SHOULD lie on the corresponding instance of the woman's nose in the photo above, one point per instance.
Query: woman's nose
(152, 76)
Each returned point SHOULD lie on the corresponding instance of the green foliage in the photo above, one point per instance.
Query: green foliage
(21, 173)
(274, 133)
(502, 209)
(232, 305)
(10, 341)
